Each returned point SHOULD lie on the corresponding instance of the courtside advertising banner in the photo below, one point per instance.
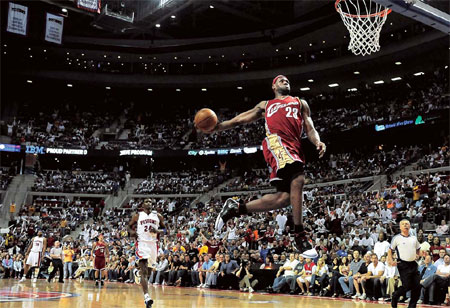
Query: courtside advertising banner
(17, 19)
(90, 5)
(54, 28)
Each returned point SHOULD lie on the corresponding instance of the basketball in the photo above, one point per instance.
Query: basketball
(205, 120)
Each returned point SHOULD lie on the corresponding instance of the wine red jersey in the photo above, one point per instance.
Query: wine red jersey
(284, 118)
(99, 250)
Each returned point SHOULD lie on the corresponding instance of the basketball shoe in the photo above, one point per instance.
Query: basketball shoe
(148, 301)
(231, 208)
(302, 245)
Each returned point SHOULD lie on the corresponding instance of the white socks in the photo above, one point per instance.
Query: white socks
(147, 297)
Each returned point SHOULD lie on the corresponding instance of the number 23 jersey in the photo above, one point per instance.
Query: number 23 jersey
(284, 128)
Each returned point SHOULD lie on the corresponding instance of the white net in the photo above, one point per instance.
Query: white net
(364, 20)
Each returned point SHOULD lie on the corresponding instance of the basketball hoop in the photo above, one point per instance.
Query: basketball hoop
(364, 20)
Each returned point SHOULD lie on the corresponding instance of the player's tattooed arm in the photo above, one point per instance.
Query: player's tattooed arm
(311, 132)
(246, 117)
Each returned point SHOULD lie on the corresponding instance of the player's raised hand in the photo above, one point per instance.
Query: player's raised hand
(321, 147)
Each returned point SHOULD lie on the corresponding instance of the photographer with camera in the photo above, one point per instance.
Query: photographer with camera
(244, 277)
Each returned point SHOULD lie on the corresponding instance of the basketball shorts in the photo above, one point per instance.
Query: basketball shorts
(147, 250)
(99, 263)
(285, 161)
(34, 259)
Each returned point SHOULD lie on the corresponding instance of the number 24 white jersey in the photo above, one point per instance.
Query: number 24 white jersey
(147, 226)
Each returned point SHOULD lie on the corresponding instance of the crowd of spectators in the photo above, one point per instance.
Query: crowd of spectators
(350, 230)
(185, 182)
(79, 182)
(71, 126)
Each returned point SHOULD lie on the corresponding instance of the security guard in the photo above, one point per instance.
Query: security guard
(407, 248)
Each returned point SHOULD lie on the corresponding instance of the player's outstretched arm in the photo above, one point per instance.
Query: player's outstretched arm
(311, 132)
(248, 116)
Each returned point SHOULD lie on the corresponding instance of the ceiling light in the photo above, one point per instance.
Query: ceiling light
(356, 73)
(178, 90)
(223, 56)
(243, 53)
(211, 6)
(209, 57)
(30, 81)
(69, 85)
(140, 58)
(108, 88)
(189, 58)
(31, 56)
(299, 56)
(158, 26)
(398, 63)
(173, 16)
(5, 45)
(378, 82)
(45, 50)
(239, 88)
(305, 89)
(104, 56)
(352, 90)
(149, 90)
(64, 10)
(323, 42)
(419, 74)
(118, 57)
(333, 85)
(276, 50)
(68, 53)
(175, 58)
(290, 48)
(396, 78)
(204, 90)
(29, 48)
(310, 80)
(310, 44)
(82, 54)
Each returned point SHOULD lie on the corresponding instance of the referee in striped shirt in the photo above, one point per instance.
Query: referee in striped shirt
(407, 248)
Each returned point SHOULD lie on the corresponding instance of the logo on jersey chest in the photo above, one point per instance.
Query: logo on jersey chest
(272, 109)
(148, 221)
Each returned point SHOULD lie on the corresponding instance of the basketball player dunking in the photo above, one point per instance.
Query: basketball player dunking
(34, 254)
(148, 224)
(286, 117)
(100, 251)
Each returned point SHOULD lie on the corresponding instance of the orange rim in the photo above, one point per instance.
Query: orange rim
(381, 13)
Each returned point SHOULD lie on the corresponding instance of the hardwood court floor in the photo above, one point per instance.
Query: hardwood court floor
(74, 294)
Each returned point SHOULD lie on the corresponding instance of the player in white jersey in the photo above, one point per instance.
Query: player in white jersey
(34, 254)
(147, 223)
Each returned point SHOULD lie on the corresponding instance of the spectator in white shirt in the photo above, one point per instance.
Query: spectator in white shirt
(443, 228)
(281, 220)
(386, 215)
(382, 246)
(390, 280)
(371, 282)
(288, 269)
